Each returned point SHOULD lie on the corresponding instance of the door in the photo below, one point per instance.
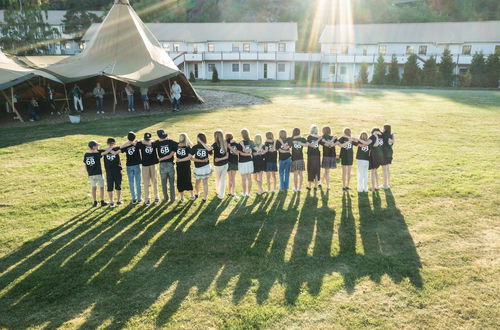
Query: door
(265, 70)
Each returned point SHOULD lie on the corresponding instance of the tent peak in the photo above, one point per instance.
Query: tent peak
(122, 2)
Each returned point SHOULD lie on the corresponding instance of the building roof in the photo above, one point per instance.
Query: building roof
(441, 32)
(203, 32)
(53, 17)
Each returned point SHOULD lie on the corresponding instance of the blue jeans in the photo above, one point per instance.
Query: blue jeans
(284, 171)
(175, 103)
(130, 99)
(134, 181)
(99, 103)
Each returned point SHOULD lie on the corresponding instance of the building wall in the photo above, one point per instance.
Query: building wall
(256, 71)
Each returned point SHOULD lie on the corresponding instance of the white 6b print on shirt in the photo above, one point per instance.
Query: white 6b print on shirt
(92, 161)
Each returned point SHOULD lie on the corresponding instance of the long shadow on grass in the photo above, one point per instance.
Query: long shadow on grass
(111, 267)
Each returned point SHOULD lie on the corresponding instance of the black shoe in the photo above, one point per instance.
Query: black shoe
(308, 188)
(147, 203)
(134, 201)
(119, 203)
(95, 204)
(103, 203)
(157, 201)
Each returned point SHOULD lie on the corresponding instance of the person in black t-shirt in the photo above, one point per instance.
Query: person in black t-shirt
(149, 156)
(202, 169)
(376, 156)
(329, 156)
(221, 156)
(259, 163)
(283, 145)
(133, 167)
(183, 165)
(92, 161)
(166, 151)
(298, 164)
(346, 157)
(271, 158)
(113, 167)
(387, 143)
(245, 163)
(363, 161)
(313, 157)
(233, 163)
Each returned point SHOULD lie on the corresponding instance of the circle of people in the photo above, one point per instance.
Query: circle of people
(251, 158)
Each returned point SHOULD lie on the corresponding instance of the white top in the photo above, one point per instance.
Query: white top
(176, 91)
(144, 91)
(129, 90)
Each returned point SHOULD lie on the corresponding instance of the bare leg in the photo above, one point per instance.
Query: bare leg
(118, 195)
(94, 193)
(197, 187)
(249, 184)
(244, 183)
(275, 184)
(102, 193)
(301, 180)
(348, 178)
(205, 188)
(110, 193)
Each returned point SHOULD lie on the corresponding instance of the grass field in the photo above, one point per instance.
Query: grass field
(424, 255)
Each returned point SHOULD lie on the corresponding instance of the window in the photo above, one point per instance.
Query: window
(195, 48)
(364, 50)
(211, 47)
(497, 49)
(333, 49)
(211, 67)
(422, 50)
(466, 50)
(343, 69)
(282, 47)
(281, 67)
(246, 47)
(266, 47)
(236, 67)
(331, 69)
(166, 46)
(382, 49)
(345, 50)
(236, 47)
(246, 67)
(409, 50)
(176, 48)
(196, 70)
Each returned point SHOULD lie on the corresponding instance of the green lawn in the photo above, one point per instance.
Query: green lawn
(425, 255)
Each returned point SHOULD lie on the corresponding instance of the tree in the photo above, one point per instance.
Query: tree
(411, 74)
(446, 68)
(493, 70)
(215, 75)
(192, 77)
(430, 73)
(477, 70)
(363, 74)
(379, 71)
(27, 33)
(76, 22)
(393, 75)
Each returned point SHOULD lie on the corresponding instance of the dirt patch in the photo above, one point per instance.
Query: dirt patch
(214, 99)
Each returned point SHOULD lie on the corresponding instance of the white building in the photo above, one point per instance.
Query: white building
(239, 51)
(345, 48)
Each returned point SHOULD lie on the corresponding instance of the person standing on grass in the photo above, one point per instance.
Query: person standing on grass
(130, 97)
(259, 163)
(363, 161)
(77, 94)
(98, 93)
(176, 91)
(376, 156)
(202, 170)
(387, 143)
(271, 160)
(113, 167)
(33, 110)
(133, 167)
(298, 165)
(346, 157)
(92, 161)
(313, 157)
(145, 98)
(149, 158)
(221, 163)
(329, 155)
(232, 163)
(51, 99)
(184, 182)
(245, 163)
(166, 151)
(283, 146)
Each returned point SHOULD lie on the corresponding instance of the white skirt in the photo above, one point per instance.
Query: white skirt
(204, 172)
(245, 168)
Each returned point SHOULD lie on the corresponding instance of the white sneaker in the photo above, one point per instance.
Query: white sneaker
(102, 111)
(129, 110)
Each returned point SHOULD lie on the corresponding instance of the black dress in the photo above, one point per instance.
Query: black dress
(183, 170)
(259, 163)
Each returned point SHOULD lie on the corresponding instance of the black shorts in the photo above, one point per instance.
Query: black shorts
(114, 180)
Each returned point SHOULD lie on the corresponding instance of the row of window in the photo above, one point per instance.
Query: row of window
(211, 47)
(382, 49)
(235, 67)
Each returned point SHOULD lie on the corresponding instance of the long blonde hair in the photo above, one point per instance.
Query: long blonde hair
(245, 134)
(219, 139)
(184, 138)
(258, 141)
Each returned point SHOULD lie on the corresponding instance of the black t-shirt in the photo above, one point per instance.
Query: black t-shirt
(112, 162)
(376, 143)
(199, 152)
(328, 151)
(297, 152)
(249, 144)
(92, 161)
(183, 152)
(148, 153)
(219, 152)
(313, 149)
(133, 155)
(385, 141)
(270, 156)
(233, 158)
(363, 152)
(345, 150)
(165, 148)
(282, 146)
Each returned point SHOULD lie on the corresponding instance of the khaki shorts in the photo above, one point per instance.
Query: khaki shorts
(96, 180)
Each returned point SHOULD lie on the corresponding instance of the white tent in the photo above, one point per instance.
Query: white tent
(123, 48)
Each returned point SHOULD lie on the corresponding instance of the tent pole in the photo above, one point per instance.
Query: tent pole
(66, 95)
(114, 95)
(11, 102)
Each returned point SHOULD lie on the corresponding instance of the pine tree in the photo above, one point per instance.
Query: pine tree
(379, 71)
(393, 75)
(215, 75)
(493, 70)
(412, 72)
(76, 22)
(477, 70)
(430, 73)
(192, 77)
(446, 68)
(363, 74)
